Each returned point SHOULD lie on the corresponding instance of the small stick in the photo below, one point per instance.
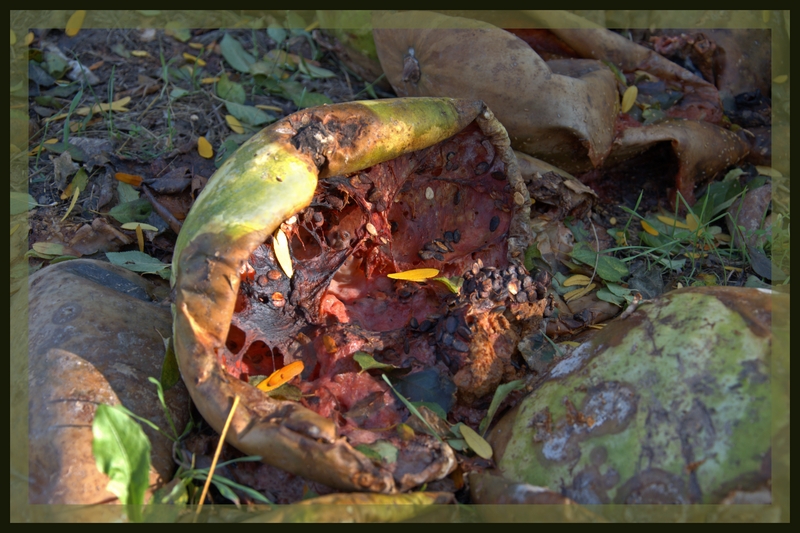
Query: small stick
(174, 224)
(216, 456)
(637, 299)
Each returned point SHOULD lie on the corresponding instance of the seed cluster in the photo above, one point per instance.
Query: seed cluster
(436, 248)
(487, 289)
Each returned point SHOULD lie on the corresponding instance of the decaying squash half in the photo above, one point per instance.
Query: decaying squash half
(387, 150)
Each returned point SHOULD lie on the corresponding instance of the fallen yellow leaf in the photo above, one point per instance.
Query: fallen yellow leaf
(281, 248)
(577, 293)
(648, 228)
(194, 59)
(75, 22)
(723, 237)
(139, 53)
(629, 98)
(13, 38)
(196, 46)
(140, 237)
(418, 274)
(281, 376)
(204, 148)
(130, 179)
(783, 78)
(209, 81)
(29, 38)
(234, 124)
(72, 203)
(577, 279)
(671, 222)
(270, 108)
(768, 171)
(692, 222)
(132, 225)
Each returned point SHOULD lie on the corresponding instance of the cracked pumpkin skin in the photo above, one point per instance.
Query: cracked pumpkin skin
(270, 178)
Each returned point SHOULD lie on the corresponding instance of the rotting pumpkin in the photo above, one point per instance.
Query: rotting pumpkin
(269, 179)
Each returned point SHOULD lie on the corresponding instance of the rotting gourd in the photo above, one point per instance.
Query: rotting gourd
(269, 179)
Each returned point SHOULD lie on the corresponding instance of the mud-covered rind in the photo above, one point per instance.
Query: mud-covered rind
(670, 405)
(270, 178)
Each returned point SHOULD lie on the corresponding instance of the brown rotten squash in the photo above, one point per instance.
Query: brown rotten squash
(395, 175)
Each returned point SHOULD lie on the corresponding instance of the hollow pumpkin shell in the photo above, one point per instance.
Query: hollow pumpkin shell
(269, 179)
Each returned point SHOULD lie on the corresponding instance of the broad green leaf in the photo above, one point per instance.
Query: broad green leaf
(49, 248)
(458, 444)
(55, 65)
(235, 54)
(314, 71)
(411, 408)
(136, 261)
(618, 290)
(500, 394)
(170, 373)
(367, 362)
(609, 268)
(297, 93)
(276, 33)
(607, 296)
(122, 452)
(59, 148)
(476, 442)
(177, 93)
(428, 386)
(229, 90)
(126, 192)
(379, 451)
(287, 391)
(249, 114)
(135, 211)
(21, 202)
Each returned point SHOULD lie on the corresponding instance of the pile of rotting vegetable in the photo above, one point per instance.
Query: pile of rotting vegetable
(392, 201)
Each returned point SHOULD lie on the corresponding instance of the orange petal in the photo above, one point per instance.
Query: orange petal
(281, 376)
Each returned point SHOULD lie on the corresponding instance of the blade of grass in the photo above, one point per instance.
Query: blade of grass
(412, 409)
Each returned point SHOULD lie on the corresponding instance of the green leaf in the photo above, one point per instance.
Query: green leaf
(379, 451)
(297, 93)
(126, 192)
(313, 70)
(476, 442)
(607, 296)
(177, 93)
(21, 202)
(653, 115)
(609, 268)
(59, 148)
(122, 452)
(458, 444)
(229, 90)
(428, 386)
(453, 284)
(276, 33)
(135, 211)
(136, 261)
(531, 252)
(500, 394)
(617, 290)
(287, 391)
(413, 409)
(435, 407)
(235, 54)
(367, 362)
(249, 114)
(170, 372)
(55, 65)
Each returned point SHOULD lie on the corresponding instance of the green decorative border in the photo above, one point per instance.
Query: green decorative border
(21, 511)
